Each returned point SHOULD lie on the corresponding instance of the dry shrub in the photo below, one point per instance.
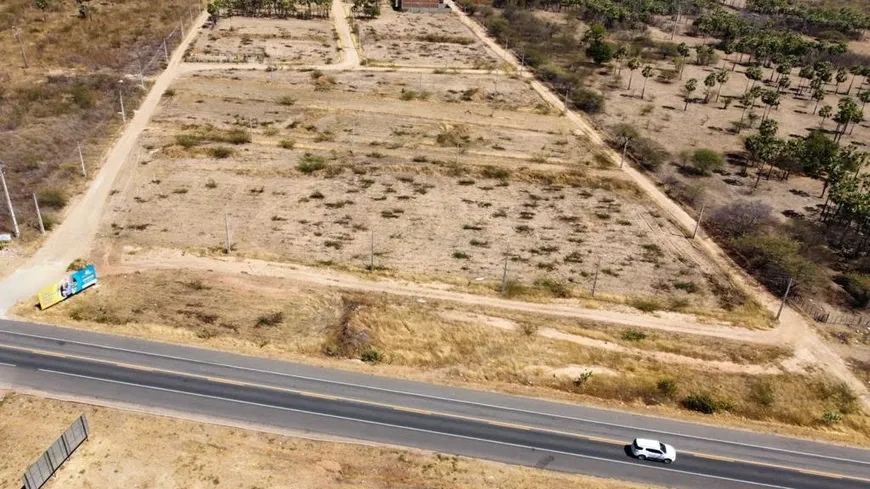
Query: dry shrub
(347, 338)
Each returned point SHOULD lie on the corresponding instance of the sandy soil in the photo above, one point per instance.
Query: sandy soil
(129, 449)
(273, 41)
(544, 202)
(420, 39)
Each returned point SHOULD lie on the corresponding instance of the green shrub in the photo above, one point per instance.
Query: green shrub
(270, 319)
(587, 100)
(371, 355)
(831, 417)
(220, 152)
(286, 100)
(76, 264)
(762, 393)
(187, 141)
(775, 255)
(460, 255)
(648, 153)
(310, 163)
(52, 197)
(633, 335)
(701, 403)
(668, 387)
(287, 143)
(236, 136)
(706, 161)
(556, 288)
(645, 305)
(688, 287)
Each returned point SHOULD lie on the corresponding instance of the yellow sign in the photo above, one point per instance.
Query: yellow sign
(69, 286)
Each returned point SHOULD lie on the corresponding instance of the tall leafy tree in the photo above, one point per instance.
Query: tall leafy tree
(841, 77)
(683, 50)
(818, 96)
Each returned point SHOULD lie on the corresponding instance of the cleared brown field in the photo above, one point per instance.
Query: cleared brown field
(420, 39)
(273, 41)
(446, 187)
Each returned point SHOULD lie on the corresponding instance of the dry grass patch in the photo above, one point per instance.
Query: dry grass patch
(399, 337)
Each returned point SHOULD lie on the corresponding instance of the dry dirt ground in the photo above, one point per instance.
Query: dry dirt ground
(128, 449)
(422, 40)
(446, 187)
(483, 347)
(272, 41)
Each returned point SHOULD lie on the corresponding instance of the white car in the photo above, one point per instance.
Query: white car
(646, 449)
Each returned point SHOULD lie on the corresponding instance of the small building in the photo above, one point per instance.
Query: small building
(435, 6)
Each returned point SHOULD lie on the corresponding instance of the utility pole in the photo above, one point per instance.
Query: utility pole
(123, 112)
(698, 222)
(784, 298)
(622, 158)
(595, 280)
(372, 253)
(9, 203)
(181, 23)
(38, 215)
(82, 159)
(504, 276)
(565, 99)
(17, 32)
(165, 51)
(227, 231)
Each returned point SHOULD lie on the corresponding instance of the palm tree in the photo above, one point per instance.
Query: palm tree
(721, 78)
(619, 55)
(864, 97)
(818, 96)
(842, 76)
(855, 71)
(633, 64)
(683, 49)
(709, 82)
(770, 99)
(783, 83)
(646, 72)
(824, 113)
(806, 73)
(753, 73)
(688, 89)
(746, 101)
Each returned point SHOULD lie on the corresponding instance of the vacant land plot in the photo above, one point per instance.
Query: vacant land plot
(273, 41)
(411, 39)
(347, 170)
(139, 450)
(436, 342)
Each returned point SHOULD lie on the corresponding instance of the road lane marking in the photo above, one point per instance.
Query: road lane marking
(450, 415)
(7, 364)
(444, 399)
(419, 430)
(221, 380)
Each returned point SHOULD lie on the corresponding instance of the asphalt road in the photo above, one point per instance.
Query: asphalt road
(472, 423)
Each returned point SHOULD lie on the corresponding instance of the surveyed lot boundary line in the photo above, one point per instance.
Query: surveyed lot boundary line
(392, 391)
